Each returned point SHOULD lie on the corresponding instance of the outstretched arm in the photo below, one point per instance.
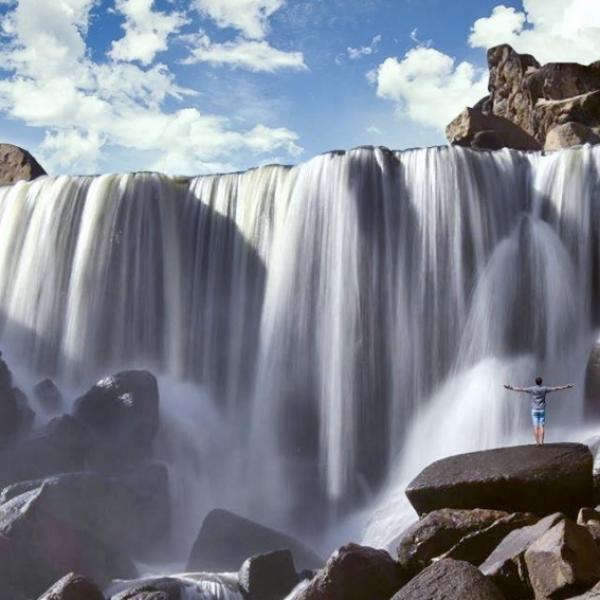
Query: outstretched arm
(561, 387)
(514, 389)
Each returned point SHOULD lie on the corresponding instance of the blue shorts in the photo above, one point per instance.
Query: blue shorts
(538, 417)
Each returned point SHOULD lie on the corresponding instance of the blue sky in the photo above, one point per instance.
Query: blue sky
(200, 86)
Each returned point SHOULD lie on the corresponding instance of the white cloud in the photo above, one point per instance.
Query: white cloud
(251, 17)
(253, 55)
(85, 106)
(146, 31)
(428, 87)
(372, 48)
(551, 30)
(373, 129)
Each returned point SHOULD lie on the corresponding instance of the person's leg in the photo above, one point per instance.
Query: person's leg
(542, 433)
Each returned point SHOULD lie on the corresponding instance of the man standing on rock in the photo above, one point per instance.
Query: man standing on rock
(538, 405)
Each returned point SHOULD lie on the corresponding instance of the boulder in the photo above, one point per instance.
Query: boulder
(488, 131)
(506, 565)
(61, 446)
(355, 573)
(590, 519)
(163, 588)
(438, 531)
(10, 415)
(564, 561)
(73, 587)
(270, 576)
(570, 134)
(26, 413)
(593, 594)
(226, 540)
(16, 164)
(48, 396)
(449, 579)
(45, 545)
(540, 480)
(121, 411)
(477, 546)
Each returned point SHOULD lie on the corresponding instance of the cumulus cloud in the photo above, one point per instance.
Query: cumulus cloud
(551, 30)
(251, 17)
(372, 48)
(146, 31)
(253, 55)
(428, 86)
(84, 105)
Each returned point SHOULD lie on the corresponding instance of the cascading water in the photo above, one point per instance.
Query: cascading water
(323, 331)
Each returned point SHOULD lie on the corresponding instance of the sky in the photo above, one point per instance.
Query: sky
(202, 86)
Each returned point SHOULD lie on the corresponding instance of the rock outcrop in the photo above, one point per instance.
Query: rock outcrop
(270, 576)
(531, 106)
(73, 587)
(17, 164)
(543, 480)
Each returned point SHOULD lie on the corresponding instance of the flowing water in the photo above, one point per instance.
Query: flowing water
(322, 331)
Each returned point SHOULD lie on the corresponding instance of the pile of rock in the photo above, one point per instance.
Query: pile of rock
(531, 106)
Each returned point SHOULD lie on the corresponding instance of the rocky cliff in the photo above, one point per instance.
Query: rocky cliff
(17, 164)
(532, 106)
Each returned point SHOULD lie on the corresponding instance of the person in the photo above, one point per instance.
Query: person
(538, 405)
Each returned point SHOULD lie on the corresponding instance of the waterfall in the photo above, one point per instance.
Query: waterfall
(348, 319)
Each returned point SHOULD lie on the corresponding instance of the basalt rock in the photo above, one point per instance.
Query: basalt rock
(354, 573)
(540, 480)
(226, 540)
(17, 164)
(536, 100)
(73, 587)
(449, 579)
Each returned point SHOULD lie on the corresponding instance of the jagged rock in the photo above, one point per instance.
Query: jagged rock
(563, 561)
(73, 587)
(60, 446)
(488, 131)
(226, 540)
(449, 579)
(593, 594)
(44, 545)
(270, 576)
(477, 546)
(569, 134)
(541, 480)
(438, 531)
(590, 519)
(48, 395)
(583, 109)
(122, 413)
(17, 164)
(506, 565)
(354, 573)
(163, 588)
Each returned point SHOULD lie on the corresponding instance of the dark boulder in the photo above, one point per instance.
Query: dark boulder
(564, 561)
(26, 413)
(540, 480)
(270, 576)
(226, 540)
(477, 546)
(506, 565)
(355, 573)
(16, 164)
(590, 519)
(48, 396)
(45, 545)
(73, 587)
(10, 415)
(438, 531)
(449, 579)
(122, 412)
(61, 446)
(163, 588)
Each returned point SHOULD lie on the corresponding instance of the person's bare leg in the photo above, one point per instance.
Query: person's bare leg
(542, 434)
(535, 435)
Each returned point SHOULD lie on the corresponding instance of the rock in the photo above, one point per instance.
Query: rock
(506, 565)
(563, 561)
(590, 519)
(61, 446)
(488, 131)
(17, 164)
(163, 588)
(541, 480)
(73, 587)
(122, 413)
(593, 594)
(569, 134)
(438, 531)
(477, 546)
(449, 579)
(226, 540)
(10, 415)
(355, 573)
(49, 396)
(26, 413)
(270, 576)
(45, 545)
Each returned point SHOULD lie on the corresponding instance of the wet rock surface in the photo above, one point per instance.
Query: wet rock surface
(268, 576)
(73, 587)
